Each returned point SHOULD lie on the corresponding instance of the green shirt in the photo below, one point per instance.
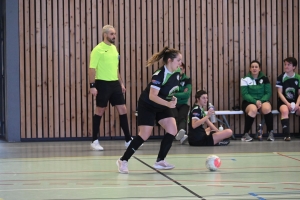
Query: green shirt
(105, 60)
(184, 83)
(256, 89)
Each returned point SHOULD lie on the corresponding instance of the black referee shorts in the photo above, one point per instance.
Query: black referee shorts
(148, 115)
(109, 91)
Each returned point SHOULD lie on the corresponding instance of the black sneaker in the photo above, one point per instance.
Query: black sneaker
(223, 143)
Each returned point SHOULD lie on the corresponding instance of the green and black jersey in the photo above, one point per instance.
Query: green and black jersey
(198, 133)
(256, 89)
(164, 81)
(289, 85)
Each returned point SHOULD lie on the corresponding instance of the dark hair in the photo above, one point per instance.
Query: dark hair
(199, 93)
(182, 65)
(255, 61)
(165, 54)
(291, 60)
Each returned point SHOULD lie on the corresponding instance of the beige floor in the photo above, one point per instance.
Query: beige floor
(69, 170)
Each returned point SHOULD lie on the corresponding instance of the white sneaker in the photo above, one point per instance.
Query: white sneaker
(184, 139)
(180, 134)
(163, 165)
(96, 146)
(122, 166)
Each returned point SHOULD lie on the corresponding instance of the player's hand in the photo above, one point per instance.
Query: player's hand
(258, 104)
(290, 107)
(296, 107)
(172, 103)
(210, 112)
(123, 88)
(94, 91)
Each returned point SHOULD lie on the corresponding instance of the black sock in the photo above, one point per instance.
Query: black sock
(269, 121)
(96, 126)
(165, 146)
(134, 145)
(248, 123)
(124, 126)
(285, 127)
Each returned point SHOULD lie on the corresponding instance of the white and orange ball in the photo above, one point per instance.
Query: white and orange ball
(213, 162)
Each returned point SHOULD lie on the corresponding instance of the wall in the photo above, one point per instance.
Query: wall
(218, 39)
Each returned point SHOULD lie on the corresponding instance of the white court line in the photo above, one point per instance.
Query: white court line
(143, 186)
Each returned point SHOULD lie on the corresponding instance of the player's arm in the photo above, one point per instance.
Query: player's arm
(297, 105)
(153, 96)
(211, 126)
(281, 96)
(121, 83)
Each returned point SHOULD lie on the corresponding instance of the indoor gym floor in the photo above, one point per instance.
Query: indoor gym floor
(71, 171)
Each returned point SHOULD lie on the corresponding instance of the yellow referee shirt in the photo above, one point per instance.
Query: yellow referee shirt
(105, 60)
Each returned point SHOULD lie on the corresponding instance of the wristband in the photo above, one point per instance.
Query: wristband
(92, 85)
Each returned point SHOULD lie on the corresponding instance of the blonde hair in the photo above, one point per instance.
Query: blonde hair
(166, 53)
(106, 28)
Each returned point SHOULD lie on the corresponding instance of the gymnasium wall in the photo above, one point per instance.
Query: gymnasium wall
(218, 39)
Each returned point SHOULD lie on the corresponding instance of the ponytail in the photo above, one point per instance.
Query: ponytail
(166, 53)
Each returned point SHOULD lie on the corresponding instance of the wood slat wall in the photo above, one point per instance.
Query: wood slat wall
(218, 39)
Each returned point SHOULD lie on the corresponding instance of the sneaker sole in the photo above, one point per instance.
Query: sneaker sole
(120, 170)
(184, 141)
(160, 168)
(247, 140)
(180, 135)
(92, 148)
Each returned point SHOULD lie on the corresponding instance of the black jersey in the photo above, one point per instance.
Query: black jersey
(166, 82)
(199, 132)
(289, 85)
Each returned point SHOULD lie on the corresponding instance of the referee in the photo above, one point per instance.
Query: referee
(106, 84)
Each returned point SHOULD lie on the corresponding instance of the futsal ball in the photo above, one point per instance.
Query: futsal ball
(213, 162)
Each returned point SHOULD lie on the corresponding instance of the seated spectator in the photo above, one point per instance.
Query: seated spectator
(197, 135)
(182, 107)
(288, 89)
(256, 92)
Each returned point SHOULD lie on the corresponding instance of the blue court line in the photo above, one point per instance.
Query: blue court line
(255, 195)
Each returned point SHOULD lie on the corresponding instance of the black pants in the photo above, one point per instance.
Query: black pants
(180, 114)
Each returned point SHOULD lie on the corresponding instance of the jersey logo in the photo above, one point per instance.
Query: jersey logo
(196, 114)
(182, 83)
(290, 93)
(261, 81)
(178, 77)
(155, 82)
(296, 82)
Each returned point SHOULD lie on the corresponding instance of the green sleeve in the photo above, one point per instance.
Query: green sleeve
(184, 95)
(267, 93)
(246, 96)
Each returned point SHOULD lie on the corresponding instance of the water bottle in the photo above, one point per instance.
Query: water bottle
(293, 107)
(213, 116)
(221, 128)
(260, 132)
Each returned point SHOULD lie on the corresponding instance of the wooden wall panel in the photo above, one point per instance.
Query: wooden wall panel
(218, 39)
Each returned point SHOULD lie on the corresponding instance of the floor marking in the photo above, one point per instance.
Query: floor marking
(187, 189)
(280, 154)
(255, 195)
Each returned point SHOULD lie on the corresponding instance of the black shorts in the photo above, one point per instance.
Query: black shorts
(109, 91)
(148, 115)
(207, 140)
(245, 104)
